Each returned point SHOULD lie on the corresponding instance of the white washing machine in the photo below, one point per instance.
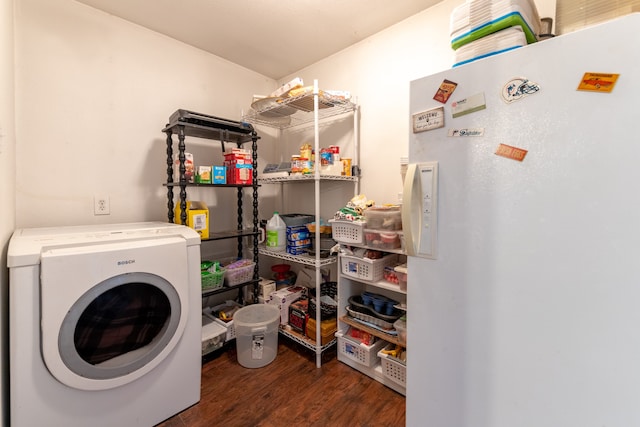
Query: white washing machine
(104, 324)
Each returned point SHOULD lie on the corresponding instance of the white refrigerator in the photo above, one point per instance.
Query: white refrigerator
(523, 199)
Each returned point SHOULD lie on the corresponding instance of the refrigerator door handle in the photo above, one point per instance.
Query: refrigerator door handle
(419, 209)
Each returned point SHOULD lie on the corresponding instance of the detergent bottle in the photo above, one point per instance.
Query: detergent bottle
(276, 234)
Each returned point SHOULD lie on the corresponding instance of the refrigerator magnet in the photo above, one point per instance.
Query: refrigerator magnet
(598, 82)
(428, 120)
(513, 153)
(466, 132)
(468, 105)
(518, 88)
(445, 90)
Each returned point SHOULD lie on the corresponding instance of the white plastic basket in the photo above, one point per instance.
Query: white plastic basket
(365, 268)
(393, 368)
(241, 274)
(230, 328)
(360, 352)
(347, 231)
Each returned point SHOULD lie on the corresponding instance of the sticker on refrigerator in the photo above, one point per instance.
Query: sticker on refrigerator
(518, 88)
(598, 82)
(445, 90)
(428, 120)
(510, 152)
(466, 132)
(468, 105)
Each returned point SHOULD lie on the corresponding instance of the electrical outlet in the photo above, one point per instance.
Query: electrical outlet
(101, 205)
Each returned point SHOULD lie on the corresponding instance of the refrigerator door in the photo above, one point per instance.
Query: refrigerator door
(529, 315)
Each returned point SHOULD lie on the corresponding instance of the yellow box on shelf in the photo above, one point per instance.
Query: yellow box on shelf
(197, 217)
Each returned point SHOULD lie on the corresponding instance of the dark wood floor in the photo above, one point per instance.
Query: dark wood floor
(290, 391)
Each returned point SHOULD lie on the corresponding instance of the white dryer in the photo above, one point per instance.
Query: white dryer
(104, 324)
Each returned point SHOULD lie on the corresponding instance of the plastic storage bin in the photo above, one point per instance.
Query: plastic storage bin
(383, 217)
(210, 312)
(257, 334)
(213, 335)
(212, 280)
(382, 239)
(347, 231)
(358, 351)
(392, 368)
(365, 268)
(327, 330)
(240, 271)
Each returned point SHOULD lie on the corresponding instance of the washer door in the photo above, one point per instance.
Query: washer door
(112, 312)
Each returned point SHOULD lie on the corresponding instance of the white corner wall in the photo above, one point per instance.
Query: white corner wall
(93, 94)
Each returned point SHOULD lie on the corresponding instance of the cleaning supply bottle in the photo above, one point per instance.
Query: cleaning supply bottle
(276, 234)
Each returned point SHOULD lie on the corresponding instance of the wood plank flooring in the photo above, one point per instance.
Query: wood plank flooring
(289, 391)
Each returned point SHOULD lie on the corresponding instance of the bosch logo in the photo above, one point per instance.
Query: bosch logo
(127, 261)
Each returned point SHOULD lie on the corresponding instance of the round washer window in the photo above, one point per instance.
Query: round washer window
(119, 325)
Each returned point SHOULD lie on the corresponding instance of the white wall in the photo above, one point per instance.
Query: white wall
(7, 185)
(93, 94)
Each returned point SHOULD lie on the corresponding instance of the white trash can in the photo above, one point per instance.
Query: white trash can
(257, 334)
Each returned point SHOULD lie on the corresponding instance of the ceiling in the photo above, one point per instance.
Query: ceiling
(272, 37)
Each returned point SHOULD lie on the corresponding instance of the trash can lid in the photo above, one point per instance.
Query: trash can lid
(257, 315)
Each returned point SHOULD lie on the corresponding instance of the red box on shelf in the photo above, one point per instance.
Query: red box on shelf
(298, 315)
(239, 174)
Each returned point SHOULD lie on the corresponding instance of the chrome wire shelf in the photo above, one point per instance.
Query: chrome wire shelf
(300, 259)
(305, 178)
(279, 117)
(303, 340)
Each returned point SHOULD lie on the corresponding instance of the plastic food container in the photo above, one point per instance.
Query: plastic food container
(382, 239)
(400, 325)
(383, 218)
(401, 273)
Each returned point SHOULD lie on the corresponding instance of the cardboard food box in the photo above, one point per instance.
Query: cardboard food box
(197, 217)
(219, 175)
(266, 287)
(298, 315)
(283, 299)
(189, 173)
(204, 175)
(240, 173)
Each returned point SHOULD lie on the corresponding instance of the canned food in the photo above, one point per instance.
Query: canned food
(306, 166)
(326, 157)
(306, 151)
(296, 165)
(346, 167)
